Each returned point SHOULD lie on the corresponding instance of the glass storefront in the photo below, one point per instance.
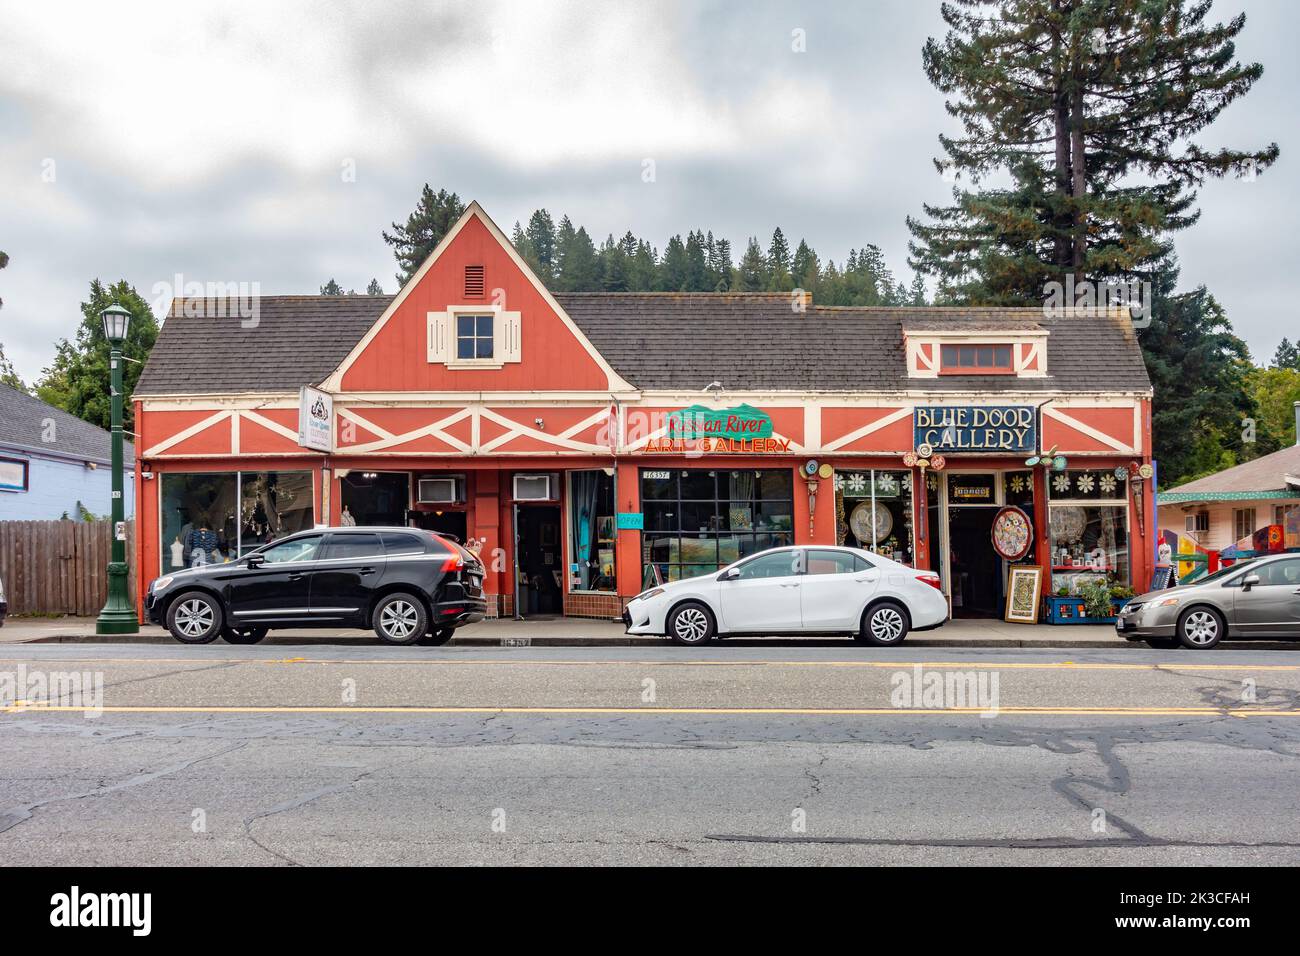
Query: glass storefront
(591, 531)
(209, 518)
(1088, 512)
(699, 520)
(873, 510)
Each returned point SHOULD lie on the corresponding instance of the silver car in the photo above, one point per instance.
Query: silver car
(1257, 597)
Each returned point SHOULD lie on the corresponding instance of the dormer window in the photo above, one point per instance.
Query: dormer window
(975, 360)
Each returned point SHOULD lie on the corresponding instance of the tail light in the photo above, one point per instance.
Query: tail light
(453, 562)
(932, 580)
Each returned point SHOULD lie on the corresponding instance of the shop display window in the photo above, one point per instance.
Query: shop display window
(1088, 517)
(873, 510)
(700, 520)
(214, 517)
(591, 531)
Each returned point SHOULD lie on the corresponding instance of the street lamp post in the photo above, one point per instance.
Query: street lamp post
(118, 615)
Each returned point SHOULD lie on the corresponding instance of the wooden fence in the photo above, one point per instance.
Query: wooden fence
(60, 567)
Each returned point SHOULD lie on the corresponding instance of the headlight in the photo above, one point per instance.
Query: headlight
(647, 595)
(1168, 602)
(161, 583)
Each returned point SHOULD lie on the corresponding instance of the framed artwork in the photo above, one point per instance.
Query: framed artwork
(1012, 533)
(605, 529)
(1024, 589)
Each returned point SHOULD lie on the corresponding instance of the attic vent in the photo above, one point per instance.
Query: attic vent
(473, 282)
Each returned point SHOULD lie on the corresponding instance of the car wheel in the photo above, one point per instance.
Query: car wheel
(691, 623)
(245, 635)
(441, 636)
(195, 618)
(400, 619)
(884, 624)
(1201, 628)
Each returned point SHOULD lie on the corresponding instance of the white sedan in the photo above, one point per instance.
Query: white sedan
(806, 590)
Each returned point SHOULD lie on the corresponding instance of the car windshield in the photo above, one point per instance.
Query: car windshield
(1223, 572)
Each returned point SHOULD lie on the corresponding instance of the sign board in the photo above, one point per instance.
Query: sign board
(971, 490)
(315, 419)
(743, 429)
(976, 428)
(630, 521)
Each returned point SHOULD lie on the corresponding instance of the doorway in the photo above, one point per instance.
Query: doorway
(976, 569)
(539, 560)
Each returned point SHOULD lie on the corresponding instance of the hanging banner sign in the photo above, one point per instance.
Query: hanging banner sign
(989, 428)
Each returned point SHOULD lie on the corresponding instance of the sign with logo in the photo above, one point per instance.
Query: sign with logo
(315, 419)
(743, 429)
(629, 521)
(987, 428)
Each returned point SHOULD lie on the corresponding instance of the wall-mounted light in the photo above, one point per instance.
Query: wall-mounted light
(540, 423)
(147, 475)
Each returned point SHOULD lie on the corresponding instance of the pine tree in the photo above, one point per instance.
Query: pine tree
(8, 375)
(374, 288)
(778, 263)
(1287, 355)
(413, 241)
(541, 243)
(331, 288)
(672, 270)
(697, 263)
(804, 267)
(1091, 108)
(752, 274)
(613, 267)
(643, 266)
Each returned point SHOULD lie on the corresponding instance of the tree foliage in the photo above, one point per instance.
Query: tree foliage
(78, 379)
(414, 240)
(1087, 111)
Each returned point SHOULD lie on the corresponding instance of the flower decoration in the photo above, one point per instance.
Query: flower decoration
(839, 482)
(887, 484)
(907, 481)
(1085, 482)
(1108, 484)
(1061, 483)
(857, 483)
(1017, 483)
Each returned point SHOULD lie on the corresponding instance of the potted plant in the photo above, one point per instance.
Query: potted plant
(1093, 602)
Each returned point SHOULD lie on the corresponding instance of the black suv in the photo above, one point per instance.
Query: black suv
(410, 586)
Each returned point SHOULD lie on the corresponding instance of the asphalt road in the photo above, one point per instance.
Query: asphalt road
(772, 755)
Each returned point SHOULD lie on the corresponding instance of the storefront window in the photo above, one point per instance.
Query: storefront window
(216, 517)
(199, 519)
(272, 505)
(1089, 528)
(698, 520)
(1018, 488)
(591, 531)
(874, 511)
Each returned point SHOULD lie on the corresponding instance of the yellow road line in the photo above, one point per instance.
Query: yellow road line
(888, 665)
(672, 711)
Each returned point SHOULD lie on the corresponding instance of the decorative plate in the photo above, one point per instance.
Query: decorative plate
(861, 521)
(1012, 533)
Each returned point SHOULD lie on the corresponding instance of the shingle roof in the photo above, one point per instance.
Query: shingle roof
(25, 421)
(659, 340)
(290, 341)
(1266, 473)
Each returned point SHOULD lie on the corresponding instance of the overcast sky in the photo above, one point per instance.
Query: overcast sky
(211, 140)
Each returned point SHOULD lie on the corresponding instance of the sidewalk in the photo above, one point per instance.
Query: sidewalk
(579, 632)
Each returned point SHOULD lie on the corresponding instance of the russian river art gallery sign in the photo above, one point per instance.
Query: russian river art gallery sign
(1009, 428)
(741, 429)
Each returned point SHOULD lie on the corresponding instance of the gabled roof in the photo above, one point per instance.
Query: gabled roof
(657, 341)
(1265, 477)
(23, 427)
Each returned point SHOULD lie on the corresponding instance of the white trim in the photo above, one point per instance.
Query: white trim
(334, 381)
(879, 423)
(199, 426)
(282, 430)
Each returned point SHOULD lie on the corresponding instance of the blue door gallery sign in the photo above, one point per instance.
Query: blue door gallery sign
(948, 428)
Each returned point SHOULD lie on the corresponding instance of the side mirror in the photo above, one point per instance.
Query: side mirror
(1249, 581)
(730, 574)
(256, 560)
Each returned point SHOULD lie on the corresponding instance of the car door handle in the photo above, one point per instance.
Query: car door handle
(367, 570)
(296, 575)
(795, 585)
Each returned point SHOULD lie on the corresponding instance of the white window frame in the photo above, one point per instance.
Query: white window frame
(442, 336)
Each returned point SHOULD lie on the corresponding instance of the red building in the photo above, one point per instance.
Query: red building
(589, 442)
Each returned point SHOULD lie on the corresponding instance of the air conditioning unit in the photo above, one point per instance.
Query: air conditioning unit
(533, 488)
(438, 491)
